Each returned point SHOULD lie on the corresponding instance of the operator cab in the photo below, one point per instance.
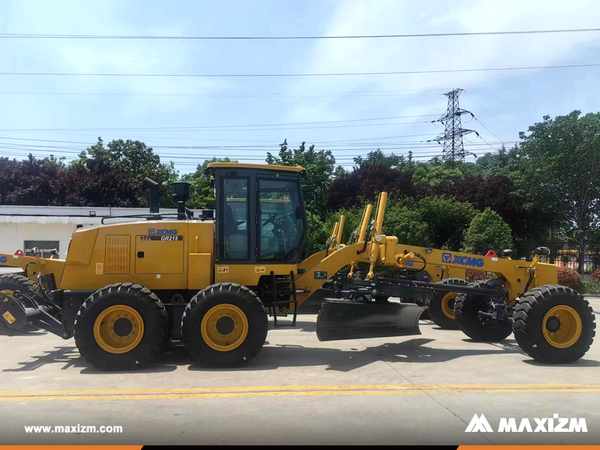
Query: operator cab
(260, 213)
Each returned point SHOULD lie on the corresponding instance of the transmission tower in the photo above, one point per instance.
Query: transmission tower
(454, 149)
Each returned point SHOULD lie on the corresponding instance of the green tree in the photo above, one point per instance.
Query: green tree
(448, 219)
(319, 165)
(135, 158)
(406, 224)
(202, 193)
(433, 173)
(351, 222)
(487, 231)
(392, 160)
(561, 161)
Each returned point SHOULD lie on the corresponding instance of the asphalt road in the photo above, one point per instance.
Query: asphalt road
(407, 390)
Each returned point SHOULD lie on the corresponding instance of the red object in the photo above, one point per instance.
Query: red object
(491, 253)
(19, 253)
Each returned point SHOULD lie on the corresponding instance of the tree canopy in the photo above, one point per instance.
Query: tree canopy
(543, 191)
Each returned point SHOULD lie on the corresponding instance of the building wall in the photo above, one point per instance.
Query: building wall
(56, 223)
(13, 235)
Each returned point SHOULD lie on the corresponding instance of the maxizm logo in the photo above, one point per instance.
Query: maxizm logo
(449, 258)
(161, 231)
(553, 424)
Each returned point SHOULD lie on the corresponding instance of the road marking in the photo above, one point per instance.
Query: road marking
(292, 391)
(306, 387)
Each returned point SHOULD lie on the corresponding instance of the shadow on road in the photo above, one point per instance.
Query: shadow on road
(412, 351)
(69, 357)
(273, 357)
(580, 363)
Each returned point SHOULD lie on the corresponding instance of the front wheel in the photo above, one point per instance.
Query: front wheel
(478, 327)
(554, 324)
(441, 306)
(224, 325)
(10, 283)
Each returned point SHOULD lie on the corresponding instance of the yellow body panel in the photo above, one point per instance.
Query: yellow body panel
(249, 274)
(81, 246)
(170, 254)
(200, 270)
(118, 254)
(114, 254)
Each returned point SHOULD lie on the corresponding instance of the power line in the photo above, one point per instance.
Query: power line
(489, 112)
(217, 128)
(415, 92)
(278, 38)
(479, 136)
(490, 131)
(25, 148)
(269, 145)
(286, 75)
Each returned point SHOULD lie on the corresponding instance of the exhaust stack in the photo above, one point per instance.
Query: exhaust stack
(180, 192)
(154, 194)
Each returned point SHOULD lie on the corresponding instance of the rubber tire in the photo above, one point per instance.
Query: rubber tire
(465, 310)
(528, 317)
(15, 282)
(213, 295)
(145, 302)
(435, 306)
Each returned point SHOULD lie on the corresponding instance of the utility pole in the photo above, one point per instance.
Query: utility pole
(454, 149)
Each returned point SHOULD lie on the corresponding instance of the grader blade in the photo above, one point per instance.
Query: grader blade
(346, 319)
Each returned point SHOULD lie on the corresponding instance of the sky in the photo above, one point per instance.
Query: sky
(189, 119)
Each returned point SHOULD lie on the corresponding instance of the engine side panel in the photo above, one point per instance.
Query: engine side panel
(155, 254)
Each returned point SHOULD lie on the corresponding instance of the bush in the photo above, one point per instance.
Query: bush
(568, 277)
(596, 275)
(487, 232)
(590, 287)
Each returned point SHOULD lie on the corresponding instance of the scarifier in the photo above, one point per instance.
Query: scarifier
(125, 290)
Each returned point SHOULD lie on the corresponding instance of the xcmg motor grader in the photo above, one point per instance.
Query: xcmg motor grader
(125, 290)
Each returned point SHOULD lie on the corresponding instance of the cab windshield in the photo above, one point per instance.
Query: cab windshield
(282, 225)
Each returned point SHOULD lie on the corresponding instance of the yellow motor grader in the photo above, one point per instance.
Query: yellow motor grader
(125, 290)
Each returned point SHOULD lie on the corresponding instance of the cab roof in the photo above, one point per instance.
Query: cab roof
(230, 165)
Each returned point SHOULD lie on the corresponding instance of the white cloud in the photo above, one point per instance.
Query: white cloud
(383, 17)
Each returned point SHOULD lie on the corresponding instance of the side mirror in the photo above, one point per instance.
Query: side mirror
(542, 251)
(506, 253)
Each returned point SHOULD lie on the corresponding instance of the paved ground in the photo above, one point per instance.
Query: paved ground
(409, 390)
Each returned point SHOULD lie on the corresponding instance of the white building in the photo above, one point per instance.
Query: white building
(51, 227)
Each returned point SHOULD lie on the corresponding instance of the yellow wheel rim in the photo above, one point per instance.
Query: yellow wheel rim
(448, 304)
(224, 327)
(562, 326)
(118, 329)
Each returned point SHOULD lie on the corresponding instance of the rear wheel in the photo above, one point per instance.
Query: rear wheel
(467, 308)
(121, 327)
(10, 283)
(441, 306)
(554, 324)
(224, 325)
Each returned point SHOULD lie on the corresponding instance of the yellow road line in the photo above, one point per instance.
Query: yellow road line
(302, 387)
(407, 390)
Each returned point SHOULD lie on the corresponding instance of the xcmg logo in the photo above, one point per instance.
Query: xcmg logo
(553, 424)
(161, 231)
(449, 258)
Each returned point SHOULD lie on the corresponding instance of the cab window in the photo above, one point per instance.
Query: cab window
(281, 224)
(235, 219)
